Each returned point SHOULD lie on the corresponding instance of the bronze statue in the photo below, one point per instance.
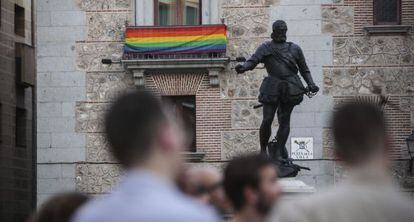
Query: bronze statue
(281, 90)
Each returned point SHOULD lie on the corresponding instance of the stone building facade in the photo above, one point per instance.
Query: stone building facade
(17, 108)
(75, 88)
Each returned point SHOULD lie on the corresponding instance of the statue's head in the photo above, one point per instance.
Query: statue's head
(279, 31)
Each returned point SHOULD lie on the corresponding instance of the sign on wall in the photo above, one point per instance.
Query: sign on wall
(301, 148)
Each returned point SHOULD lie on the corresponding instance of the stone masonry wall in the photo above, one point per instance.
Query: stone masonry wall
(77, 88)
(363, 62)
(106, 21)
(226, 123)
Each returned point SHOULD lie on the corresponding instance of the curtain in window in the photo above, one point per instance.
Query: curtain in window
(178, 12)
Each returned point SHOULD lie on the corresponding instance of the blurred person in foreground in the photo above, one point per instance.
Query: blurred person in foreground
(367, 194)
(251, 185)
(148, 143)
(206, 185)
(59, 208)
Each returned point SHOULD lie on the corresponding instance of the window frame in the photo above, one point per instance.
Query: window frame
(398, 22)
(180, 16)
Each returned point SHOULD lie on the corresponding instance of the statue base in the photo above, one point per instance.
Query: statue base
(292, 187)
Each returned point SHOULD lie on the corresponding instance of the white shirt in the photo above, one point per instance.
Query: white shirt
(141, 197)
(366, 196)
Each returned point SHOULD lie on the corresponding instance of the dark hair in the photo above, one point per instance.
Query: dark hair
(243, 172)
(60, 208)
(130, 126)
(279, 24)
(359, 130)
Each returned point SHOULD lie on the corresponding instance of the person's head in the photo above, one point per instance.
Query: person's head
(279, 31)
(251, 182)
(189, 182)
(59, 208)
(206, 183)
(359, 132)
(142, 133)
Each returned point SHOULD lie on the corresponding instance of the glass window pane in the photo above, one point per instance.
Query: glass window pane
(386, 11)
(167, 12)
(19, 20)
(184, 109)
(20, 127)
(191, 9)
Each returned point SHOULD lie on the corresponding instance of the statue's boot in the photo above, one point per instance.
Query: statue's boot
(288, 170)
(277, 151)
(285, 165)
(274, 153)
(283, 152)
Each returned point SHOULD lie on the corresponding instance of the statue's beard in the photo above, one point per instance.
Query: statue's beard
(279, 37)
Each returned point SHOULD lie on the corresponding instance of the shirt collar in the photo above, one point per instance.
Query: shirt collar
(138, 179)
(369, 175)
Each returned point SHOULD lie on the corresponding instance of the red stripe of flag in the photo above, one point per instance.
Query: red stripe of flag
(174, 31)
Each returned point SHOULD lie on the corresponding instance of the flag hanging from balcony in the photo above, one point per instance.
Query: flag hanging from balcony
(176, 40)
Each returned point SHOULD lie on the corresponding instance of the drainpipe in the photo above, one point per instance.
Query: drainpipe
(34, 111)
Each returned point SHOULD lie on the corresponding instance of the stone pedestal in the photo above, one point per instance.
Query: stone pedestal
(293, 187)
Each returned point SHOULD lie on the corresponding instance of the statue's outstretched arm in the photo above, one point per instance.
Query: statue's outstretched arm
(253, 61)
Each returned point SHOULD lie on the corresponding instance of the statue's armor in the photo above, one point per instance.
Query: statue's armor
(282, 62)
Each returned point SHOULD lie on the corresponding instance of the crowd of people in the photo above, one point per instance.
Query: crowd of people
(157, 185)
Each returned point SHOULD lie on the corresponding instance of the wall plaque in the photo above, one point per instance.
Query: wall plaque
(301, 148)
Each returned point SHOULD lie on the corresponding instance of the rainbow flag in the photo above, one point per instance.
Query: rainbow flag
(176, 40)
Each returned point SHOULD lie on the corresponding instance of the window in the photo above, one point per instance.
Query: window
(177, 12)
(184, 108)
(25, 64)
(20, 134)
(19, 20)
(387, 12)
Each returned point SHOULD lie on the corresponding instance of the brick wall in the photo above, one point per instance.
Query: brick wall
(213, 118)
(397, 118)
(407, 13)
(364, 13)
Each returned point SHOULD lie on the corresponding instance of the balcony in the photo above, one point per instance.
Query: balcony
(175, 48)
